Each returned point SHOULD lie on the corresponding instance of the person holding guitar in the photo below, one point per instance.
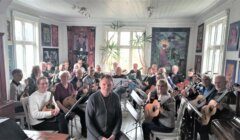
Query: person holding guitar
(218, 107)
(160, 116)
(65, 94)
(40, 116)
(206, 94)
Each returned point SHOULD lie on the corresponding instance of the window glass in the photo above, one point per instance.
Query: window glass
(18, 30)
(28, 31)
(125, 38)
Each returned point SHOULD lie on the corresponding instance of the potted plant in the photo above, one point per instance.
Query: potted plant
(139, 43)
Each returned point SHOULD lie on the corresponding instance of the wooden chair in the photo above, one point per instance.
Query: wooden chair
(25, 104)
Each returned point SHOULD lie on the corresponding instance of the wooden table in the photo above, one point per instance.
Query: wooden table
(45, 135)
(7, 109)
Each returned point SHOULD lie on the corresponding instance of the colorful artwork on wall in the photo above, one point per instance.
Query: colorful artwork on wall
(230, 71)
(198, 63)
(54, 35)
(233, 37)
(81, 44)
(170, 47)
(46, 34)
(200, 38)
(51, 55)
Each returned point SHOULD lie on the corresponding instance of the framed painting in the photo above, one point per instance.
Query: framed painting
(198, 63)
(54, 35)
(170, 47)
(200, 38)
(230, 71)
(51, 55)
(233, 37)
(46, 34)
(81, 44)
(9, 31)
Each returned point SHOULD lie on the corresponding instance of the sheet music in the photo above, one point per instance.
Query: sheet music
(119, 81)
(136, 98)
(132, 111)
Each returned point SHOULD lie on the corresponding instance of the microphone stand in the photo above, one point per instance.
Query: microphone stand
(69, 115)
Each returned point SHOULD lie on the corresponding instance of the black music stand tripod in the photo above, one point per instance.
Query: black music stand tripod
(70, 115)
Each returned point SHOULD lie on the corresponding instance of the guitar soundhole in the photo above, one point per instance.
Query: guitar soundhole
(154, 109)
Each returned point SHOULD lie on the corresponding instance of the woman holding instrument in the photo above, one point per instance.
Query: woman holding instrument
(39, 116)
(65, 90)
(165, 110)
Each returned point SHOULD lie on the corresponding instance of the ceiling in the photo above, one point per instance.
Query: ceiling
(121, 9)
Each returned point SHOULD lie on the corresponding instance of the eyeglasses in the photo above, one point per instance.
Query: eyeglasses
(45, 83)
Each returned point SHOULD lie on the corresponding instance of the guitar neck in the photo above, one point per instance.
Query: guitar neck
(222, 96)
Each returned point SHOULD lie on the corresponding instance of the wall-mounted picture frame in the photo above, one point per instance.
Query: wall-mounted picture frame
(233, 36)
(51, 55)
(230, 71)
(200, 38)
(170, 47)
(9, 30)
(54, 35)
(198, 63)
(46, 34)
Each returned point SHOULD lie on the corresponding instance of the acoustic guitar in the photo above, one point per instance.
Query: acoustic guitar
(152, 110)
(210, 109)
(200, 100)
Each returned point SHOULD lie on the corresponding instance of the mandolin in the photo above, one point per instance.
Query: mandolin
(69, 101)
(50, 105)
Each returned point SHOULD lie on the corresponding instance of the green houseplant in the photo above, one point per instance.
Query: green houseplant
(139, 43)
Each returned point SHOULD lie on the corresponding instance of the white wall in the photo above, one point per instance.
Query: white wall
(233, 6)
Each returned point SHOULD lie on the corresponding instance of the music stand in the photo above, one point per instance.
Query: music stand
(136, 115)
(136, 98)
(69, 115)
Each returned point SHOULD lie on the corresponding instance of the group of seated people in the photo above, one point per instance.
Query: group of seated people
(102, 117)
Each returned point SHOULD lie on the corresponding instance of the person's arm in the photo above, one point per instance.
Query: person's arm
(35, 110)
(118, 114)
(90, 117)
(171, 106)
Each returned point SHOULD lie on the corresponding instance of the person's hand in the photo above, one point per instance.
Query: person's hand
(112, 137)
(57, 110)
(103, 138)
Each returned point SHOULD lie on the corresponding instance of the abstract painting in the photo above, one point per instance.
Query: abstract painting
(51, 55)
(46, 34)
(170, 47)
(233, 37)
(81, 44)
(230, 71)
(198, 63)
(200, 38)
(54, 35)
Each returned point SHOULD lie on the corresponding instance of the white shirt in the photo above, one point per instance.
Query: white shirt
(36, 102)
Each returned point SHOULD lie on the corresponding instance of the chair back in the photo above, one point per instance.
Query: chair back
(180, 113)
(25, 104)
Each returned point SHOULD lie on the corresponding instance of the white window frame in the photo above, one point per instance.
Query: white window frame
(126, 29)
(23, 18)
(208, 47)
